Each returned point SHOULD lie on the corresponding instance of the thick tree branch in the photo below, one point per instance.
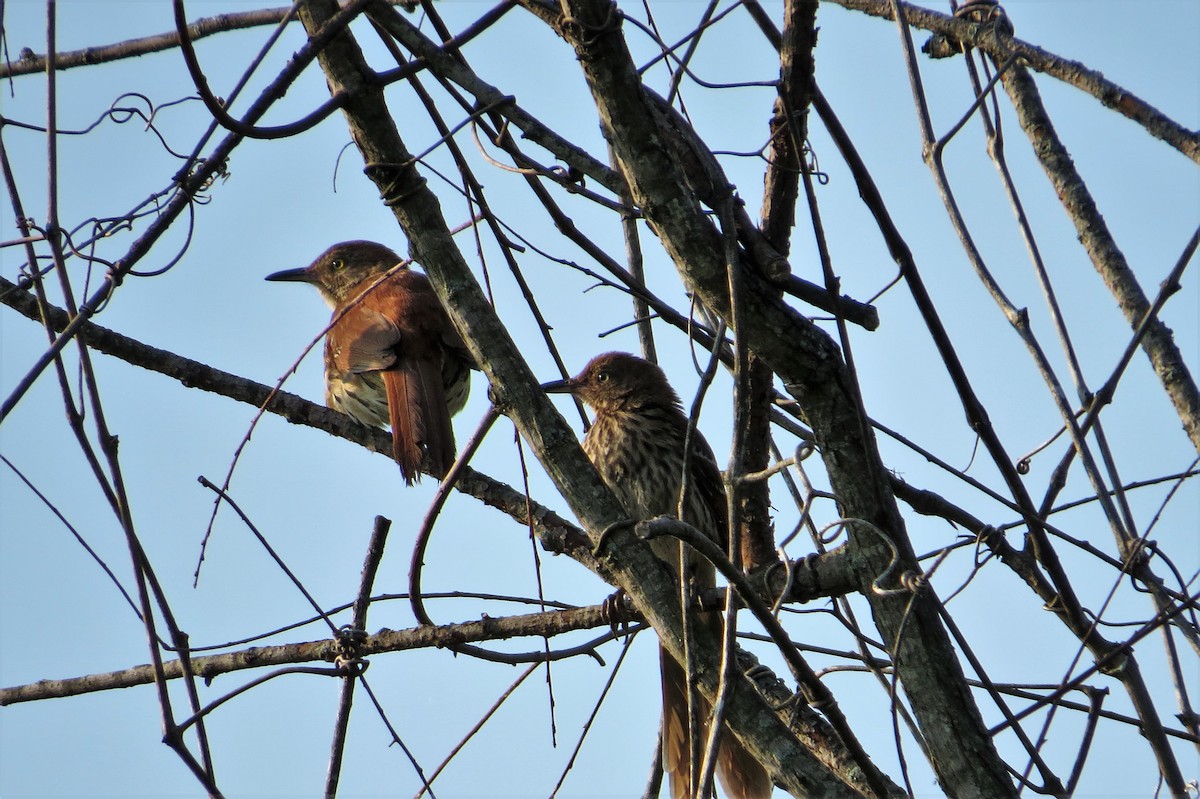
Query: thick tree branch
(963, 754)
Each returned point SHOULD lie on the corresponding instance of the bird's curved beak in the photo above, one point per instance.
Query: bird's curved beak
(558, 387)
(292, 275)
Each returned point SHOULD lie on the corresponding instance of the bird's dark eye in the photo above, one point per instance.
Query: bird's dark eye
(336, 264)
(601, 377)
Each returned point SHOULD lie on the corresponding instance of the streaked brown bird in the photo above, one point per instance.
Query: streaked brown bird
(392, 356)
(637, 444)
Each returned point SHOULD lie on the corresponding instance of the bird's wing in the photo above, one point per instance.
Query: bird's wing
(368, 341)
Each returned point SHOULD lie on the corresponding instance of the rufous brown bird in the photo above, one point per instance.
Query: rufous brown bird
(391, 355)
(637, 444)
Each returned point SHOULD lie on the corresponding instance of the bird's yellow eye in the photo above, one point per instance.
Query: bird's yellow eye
(601, 377)
(337, 263)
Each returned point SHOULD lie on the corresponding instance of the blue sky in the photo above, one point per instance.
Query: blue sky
(315, 496)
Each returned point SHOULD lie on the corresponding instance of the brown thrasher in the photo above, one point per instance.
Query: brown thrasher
(391, 355)
(637, 444)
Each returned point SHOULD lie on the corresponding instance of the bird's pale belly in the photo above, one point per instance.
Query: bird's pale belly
(361, 396)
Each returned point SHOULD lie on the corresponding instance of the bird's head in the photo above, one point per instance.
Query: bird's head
(618, 381)
(341, 268)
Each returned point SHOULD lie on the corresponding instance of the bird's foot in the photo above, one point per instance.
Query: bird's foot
(616, 612)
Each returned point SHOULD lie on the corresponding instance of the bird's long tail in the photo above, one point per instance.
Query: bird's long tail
(421, 431)
(740, 773)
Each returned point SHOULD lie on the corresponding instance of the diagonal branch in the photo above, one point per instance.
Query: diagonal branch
(556, 534)
(964, 756)
(1158, 342)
